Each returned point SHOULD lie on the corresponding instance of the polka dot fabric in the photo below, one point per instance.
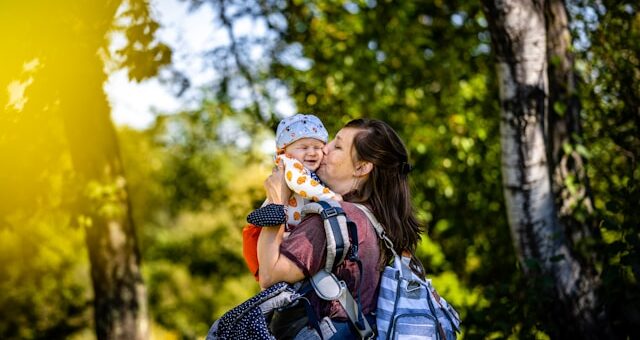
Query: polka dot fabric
(246, 321)
(269, 215)
(306, 187)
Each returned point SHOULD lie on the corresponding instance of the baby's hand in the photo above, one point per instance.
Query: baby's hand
(338, 197)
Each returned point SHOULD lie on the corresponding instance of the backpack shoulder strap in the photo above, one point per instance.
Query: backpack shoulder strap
(326, 285)
(335, 222)
(378, 227)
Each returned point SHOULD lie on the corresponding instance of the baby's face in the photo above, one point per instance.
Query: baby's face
(306, 150)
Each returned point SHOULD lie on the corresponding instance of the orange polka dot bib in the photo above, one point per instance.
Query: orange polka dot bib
(305, 188)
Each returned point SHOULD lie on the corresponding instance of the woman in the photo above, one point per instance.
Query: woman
(366, 163)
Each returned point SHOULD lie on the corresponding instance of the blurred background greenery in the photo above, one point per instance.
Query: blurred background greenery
(187, 181)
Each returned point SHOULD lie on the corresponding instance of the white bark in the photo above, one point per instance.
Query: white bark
(519, 33)
(536, 230)
(525, 176)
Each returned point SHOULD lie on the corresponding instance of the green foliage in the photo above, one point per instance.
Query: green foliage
(53, 59)
(611, 98)
(143, 55)
(45, 279)
(45, 283)
(191, 186)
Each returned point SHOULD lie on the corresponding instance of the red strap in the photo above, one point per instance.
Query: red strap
(250, 234)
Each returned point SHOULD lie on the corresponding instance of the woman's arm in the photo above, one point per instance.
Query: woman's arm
(273, 266)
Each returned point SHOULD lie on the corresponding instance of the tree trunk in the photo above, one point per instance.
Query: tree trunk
(119, 292)
(569, 180)
(567, 165)
(519, 38)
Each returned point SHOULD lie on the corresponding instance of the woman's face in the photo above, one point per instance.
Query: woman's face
(337, 169)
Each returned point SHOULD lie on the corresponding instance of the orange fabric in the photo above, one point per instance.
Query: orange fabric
(250, 234)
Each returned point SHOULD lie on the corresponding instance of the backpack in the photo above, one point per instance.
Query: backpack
(250, 320)
(409, 307)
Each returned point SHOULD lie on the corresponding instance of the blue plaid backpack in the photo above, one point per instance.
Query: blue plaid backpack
(409, 307)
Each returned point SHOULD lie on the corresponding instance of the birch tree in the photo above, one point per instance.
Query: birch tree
(531, 142)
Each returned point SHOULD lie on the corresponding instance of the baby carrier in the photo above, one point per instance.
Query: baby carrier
(251, 319)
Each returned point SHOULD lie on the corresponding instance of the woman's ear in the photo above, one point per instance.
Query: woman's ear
(363, 168)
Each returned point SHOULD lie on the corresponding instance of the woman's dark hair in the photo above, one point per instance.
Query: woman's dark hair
(387, 189)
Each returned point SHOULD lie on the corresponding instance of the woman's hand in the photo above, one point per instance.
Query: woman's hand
(277, 190)
(274, 267)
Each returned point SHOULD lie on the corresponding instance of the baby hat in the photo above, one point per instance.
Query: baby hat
(300, 126)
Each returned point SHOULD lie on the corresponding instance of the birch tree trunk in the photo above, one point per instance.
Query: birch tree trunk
(519, 38)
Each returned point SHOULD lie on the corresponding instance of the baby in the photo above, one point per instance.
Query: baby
(299, 142)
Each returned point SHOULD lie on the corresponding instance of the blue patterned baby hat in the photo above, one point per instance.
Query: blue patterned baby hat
(300, 126)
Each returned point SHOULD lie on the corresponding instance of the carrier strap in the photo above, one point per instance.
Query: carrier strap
(338, 230)
(378, 227)
(334, 218)
(329, 288)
